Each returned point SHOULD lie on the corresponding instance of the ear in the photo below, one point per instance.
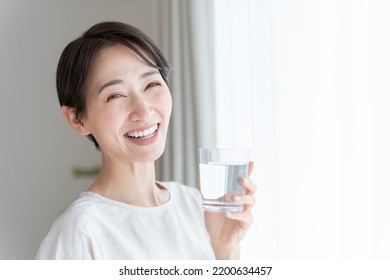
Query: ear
(69, 115)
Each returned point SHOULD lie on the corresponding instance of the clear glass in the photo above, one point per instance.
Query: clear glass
(220, 172)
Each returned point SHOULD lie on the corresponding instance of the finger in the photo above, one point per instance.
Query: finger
(250, 168)
(241, 216)
(248, 201)
(249, 185)
(245, 199)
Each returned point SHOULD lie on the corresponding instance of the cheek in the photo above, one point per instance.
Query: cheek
(99, 120)
(165, 104)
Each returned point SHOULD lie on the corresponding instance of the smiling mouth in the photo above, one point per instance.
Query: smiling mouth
(143, 134)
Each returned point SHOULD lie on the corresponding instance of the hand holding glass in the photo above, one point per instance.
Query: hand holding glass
(220, 173)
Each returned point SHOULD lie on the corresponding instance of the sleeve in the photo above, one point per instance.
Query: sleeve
(66, 240)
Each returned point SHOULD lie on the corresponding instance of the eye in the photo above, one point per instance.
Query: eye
(114, 96)
(153, 84)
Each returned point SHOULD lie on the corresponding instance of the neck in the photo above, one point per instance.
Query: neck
(131, 183)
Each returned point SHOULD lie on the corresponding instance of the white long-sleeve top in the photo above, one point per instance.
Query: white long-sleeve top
(96, 227)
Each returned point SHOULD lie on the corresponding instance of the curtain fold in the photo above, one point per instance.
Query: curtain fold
(311, 94)
(185, 36)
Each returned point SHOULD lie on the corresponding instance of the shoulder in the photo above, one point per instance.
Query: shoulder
(79, 212)
(69, 235)
(183, 196)
(180, 189)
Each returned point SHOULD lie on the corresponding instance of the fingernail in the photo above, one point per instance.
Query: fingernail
(228, 214)
(237, 198)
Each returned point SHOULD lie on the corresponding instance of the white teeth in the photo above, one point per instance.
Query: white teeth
(144, 133)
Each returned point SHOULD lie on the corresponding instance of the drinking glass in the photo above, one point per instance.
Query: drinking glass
(220, 172)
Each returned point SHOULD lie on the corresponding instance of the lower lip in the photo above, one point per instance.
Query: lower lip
(144, 142)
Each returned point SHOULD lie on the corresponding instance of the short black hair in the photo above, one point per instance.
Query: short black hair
(77, 57)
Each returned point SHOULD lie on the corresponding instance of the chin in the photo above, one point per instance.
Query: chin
(150, 156)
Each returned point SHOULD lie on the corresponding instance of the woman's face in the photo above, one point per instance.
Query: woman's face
(128, 106)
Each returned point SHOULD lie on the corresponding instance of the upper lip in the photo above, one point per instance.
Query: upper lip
(143, 129)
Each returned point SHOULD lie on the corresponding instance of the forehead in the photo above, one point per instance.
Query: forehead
(112, 57)
(116, 62)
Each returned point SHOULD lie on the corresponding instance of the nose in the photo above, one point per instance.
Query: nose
(140, 108)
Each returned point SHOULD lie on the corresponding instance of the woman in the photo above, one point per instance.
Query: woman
(112, 86)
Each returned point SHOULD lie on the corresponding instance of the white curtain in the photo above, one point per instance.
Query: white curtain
(305, 85)
(186, 38)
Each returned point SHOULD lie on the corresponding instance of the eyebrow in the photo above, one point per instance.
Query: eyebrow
(118, 81)
(110, 83)
(149, 73)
